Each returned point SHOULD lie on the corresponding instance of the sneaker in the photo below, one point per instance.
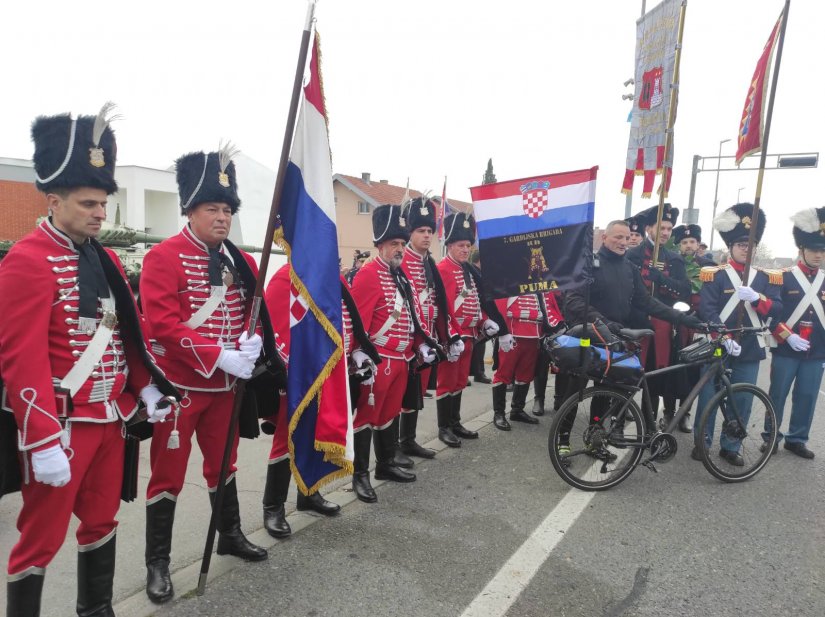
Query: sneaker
(695, 454)
(798, 448)
(764, 447)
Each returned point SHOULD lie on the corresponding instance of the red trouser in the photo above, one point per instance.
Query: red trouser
(280, 447)
(519, 364)
(93, 495)
(452, 376)
(388, 391)
(661, 341)
(204, 413)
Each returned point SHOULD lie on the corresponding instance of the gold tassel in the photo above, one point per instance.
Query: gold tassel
(173, 443)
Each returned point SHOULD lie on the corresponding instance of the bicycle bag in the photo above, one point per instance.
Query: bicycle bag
(622, 367)
(698, 350)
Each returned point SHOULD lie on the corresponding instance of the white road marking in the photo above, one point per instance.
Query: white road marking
(514, 576)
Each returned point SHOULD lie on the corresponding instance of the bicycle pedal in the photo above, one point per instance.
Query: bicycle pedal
(649, 464)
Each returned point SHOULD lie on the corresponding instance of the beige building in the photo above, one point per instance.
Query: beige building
(356, 198)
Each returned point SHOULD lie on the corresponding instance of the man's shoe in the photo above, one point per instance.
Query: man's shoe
(798, 448)
(482, 379)
(734, 458)
(400, 459)
(695, 454)
(520, 416)
(428, 394)
(159, 582)
(500, 422)
(233, 542)
(685, 424)
(464, 433)
(764, 447)
(448, 437)
(317, 503)
(413, 448)
(275, 521)
(385, 471)
(362, 488)
(538, 407)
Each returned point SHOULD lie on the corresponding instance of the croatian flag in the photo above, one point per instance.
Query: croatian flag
(536, 234)
(320, 424)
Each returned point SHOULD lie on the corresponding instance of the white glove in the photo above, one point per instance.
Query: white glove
(152, 396)
(490, 328)
(428, 354)
(798, 343)
(236, 363)
(746, 294)
(506, 343)
(51, 466)
(250, 347)
(360, 358)
(733, 348)
(457, 348)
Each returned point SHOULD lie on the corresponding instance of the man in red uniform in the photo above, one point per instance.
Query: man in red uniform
(436, 315)
(552, 321)
(196, 290)
(389, 306)
(75, 363)
(518, 352)
(461, 287)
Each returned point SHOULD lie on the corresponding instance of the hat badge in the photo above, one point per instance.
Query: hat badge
(424, 211)
(822, 229)
(96, 158)
(746, 221)
(402, 222)
(466, 224)
(223, 179)
(687, 232)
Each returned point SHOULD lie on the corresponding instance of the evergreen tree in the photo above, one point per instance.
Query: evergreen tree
(489, 176)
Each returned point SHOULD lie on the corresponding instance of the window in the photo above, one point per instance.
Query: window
(363, 207)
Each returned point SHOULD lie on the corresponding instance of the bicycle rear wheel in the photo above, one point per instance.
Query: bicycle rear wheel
(755, 425)
(596, 455)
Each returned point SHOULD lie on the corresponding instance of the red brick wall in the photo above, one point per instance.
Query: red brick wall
(20, 206)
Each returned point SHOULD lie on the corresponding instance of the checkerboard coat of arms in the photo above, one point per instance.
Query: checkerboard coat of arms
(535, 198)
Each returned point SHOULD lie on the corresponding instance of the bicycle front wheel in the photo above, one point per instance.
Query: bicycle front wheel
(593, 444)
(739, 430)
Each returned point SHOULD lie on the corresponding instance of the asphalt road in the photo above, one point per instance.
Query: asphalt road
(674, 543)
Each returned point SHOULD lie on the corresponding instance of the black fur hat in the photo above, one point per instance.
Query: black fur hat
(208, 177)
(648, 217)
(388, 224)
(809, 228)
(70, 153)
(419, 212)
(734, 224)
(459, 226)
(636, 226)
(687, 231)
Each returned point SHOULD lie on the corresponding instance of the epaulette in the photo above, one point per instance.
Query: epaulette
(707, 273)
(775, 277)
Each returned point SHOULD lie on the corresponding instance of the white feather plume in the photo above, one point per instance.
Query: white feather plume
(102, 121)
(806, 220)
(226, 151)
(726, 221)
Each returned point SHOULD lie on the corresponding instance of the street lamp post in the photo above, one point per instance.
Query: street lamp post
(716, 190)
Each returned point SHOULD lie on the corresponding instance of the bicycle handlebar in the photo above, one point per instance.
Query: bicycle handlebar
(721, 328)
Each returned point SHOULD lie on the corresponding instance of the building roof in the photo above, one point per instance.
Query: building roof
(382, 192)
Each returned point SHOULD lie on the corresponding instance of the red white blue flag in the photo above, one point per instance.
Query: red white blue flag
(320, 426)
(752, 124)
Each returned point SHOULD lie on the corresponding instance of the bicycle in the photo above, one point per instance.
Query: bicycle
(601, 447)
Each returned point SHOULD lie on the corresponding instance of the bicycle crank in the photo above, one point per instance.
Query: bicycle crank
(663, 447)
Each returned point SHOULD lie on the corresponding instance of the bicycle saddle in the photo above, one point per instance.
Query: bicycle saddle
(629, 334)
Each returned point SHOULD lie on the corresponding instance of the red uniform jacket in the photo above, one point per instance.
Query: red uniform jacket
(436, 313)
(40, 342)
(374, 291)
(173, 285)
(462, 297)
(522, 315)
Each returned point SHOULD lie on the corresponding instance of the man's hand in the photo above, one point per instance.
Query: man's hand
(427, 353)
(490, 328)
(733, 348)
(151, 397)
(51, 466)
(506, 343)
(655, 276)
(250, 347)
(360, 359)
(746, 294)
(797, 343)
(456, 349)
(235, 363)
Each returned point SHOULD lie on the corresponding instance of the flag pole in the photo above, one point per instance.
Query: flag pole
(667, 167)
(758, 197)
(259, 289)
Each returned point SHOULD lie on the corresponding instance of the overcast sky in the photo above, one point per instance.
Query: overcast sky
(422, 89)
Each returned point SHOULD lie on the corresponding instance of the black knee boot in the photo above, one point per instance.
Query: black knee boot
(458, 428)
(95, 575)
(160, 517)
(393, 433)
(361, 464)
(276, 489)
(444, 411)
(385, 467)
(231, 540)
(517, 405)
(499, 406)
(409, 424)
(23, 596)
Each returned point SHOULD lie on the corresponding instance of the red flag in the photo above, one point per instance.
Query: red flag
(752, 124)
